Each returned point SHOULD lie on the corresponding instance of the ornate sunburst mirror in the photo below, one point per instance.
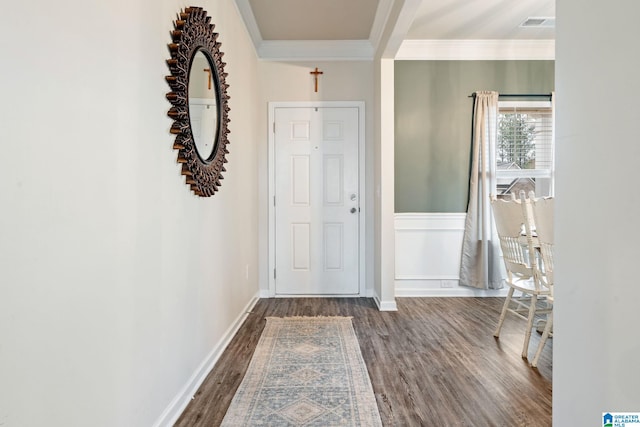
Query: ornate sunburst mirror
(199, 101)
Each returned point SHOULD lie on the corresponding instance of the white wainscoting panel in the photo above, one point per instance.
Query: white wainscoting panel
(428, 249)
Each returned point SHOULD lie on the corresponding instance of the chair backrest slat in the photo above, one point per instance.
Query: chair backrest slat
(542, 210)
(510, 221)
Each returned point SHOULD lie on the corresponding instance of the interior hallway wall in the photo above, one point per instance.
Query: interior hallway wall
(596, 346)
(116, 282)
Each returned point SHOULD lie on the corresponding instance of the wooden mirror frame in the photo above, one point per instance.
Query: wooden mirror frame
(194, 33)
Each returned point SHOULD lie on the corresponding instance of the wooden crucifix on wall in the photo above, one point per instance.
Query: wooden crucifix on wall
(316, 73)
(208, 71)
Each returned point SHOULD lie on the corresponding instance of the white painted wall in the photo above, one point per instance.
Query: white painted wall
(291, 81)
(400, 16)
(116, 283)
(597, 312)
(384, 186)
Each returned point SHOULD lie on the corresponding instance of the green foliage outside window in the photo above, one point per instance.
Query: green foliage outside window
(515, 140)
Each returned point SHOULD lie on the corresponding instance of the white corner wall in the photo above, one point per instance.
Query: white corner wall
(117, 285)
(384, 243)
(596, 346)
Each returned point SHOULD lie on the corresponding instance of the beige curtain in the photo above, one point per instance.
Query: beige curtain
(480, 263)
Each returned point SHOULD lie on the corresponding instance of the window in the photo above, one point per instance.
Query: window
(524, 148)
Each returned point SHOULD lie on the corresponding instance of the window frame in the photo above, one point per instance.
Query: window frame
(548, 172)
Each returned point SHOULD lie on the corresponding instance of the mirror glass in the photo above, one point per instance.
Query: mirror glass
(203, 110)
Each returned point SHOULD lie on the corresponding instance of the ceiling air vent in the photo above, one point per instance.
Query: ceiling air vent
(539, 23)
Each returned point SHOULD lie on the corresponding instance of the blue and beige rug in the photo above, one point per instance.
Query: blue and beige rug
(306, 371)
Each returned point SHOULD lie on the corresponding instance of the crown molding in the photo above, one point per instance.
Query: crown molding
(358, 50)
(382, 16)
(244, 8)
(306, 50)
(476, 50)
(402, 17)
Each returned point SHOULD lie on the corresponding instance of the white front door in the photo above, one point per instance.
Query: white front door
(316, 201)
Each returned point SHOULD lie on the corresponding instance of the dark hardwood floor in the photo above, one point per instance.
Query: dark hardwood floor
(434, 362)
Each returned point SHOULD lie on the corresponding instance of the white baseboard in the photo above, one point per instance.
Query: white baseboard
(389, 305)
(182, 399)
(264, 293)
(432, 288)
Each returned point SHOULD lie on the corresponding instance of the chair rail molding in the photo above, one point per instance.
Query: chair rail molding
(428, 250)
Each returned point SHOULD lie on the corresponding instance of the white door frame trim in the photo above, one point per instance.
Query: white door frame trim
(360, 105)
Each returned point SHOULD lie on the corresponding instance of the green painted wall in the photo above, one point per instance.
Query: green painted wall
(433, 124)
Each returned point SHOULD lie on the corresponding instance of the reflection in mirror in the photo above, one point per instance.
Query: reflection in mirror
(203, 111)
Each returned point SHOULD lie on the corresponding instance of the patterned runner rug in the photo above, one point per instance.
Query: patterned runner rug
(306, 371)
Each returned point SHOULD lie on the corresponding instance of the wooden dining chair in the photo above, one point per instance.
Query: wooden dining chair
(542, 211)
(514, 225)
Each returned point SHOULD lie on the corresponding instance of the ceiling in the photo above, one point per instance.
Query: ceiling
(356, 29)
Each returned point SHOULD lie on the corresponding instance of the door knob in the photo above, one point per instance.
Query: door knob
(353, 210)
(353, 197)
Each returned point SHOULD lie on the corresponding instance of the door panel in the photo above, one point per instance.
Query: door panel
(317, 201)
